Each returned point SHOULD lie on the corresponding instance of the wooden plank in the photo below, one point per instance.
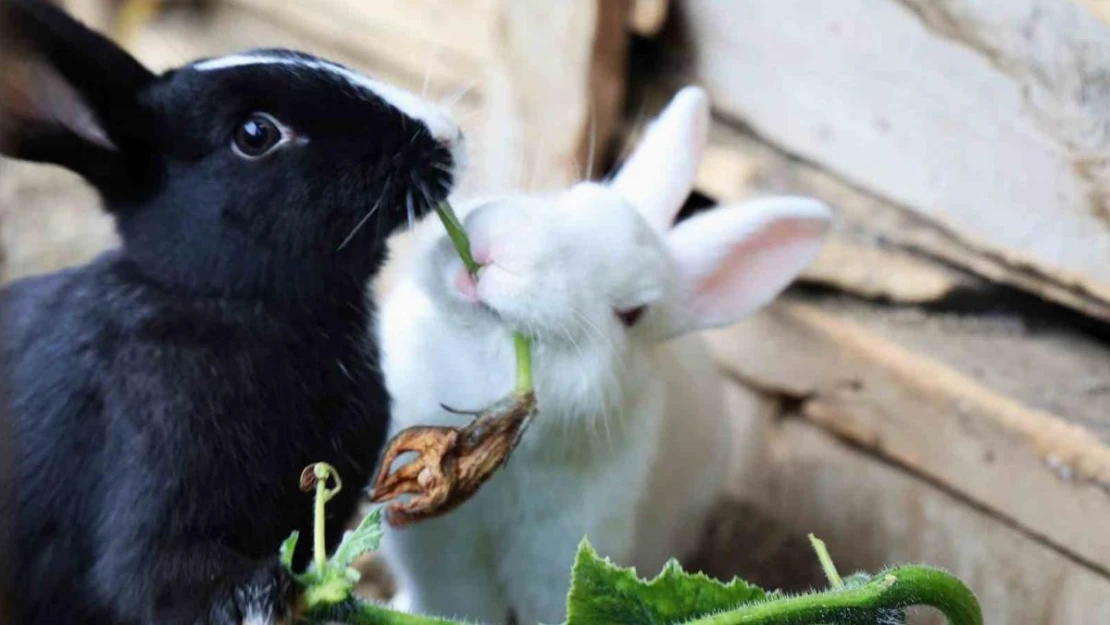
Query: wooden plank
(919, 253)
(647, 17)
(447, 41)
(873, 515)
(984, 117)
(555, 92)
(1047, 475)
(50, 219)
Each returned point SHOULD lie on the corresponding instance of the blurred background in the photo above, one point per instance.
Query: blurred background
(937, 387)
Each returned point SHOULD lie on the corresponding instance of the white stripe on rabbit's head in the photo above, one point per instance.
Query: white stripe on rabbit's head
(439, 123)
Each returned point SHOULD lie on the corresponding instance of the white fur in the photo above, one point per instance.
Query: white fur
(437, 120)
(630, 444)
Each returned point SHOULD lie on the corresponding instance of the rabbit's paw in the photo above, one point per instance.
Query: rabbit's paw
(263, 597)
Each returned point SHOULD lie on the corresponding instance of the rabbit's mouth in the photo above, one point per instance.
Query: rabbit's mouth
(491, 311)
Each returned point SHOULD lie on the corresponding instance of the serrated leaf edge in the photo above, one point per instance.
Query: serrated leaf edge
(672, 567)
(371, 524)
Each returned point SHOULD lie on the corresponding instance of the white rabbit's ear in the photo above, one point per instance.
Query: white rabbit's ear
(658, 176)
(734, 259)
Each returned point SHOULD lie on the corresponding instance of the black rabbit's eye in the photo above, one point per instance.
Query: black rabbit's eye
(257, 135)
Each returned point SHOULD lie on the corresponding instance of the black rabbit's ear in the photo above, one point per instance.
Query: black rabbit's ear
(68, 95)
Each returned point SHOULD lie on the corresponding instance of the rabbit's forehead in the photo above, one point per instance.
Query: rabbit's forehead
(438, 122)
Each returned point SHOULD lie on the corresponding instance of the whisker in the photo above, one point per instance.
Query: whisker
(425, 193)
(422, 187)
(570, 338)
(361, 223)
(386, 188)
(597, 396)
(410, 210)
(537, 162)
(592, 148)
(457, 97)
(627, 148)
(592, 326)
(507, 270)
(427, 79)
(601, 336)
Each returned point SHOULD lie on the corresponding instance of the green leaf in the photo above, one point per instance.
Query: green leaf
(365, 538)
(329, 589)
(288, 546)
(602, 593)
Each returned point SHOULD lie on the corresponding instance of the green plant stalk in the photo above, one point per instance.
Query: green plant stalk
(322, 471)
(523, 364)
(360, 612)
(458, 236)
(319, 544)
(831, 574)
(521, 344)
(900, 587)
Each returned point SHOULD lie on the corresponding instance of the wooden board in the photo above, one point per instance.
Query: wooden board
(50, 220)
(987, 118)
(555, 92)
(449, 42)
(872, 514)
(1038, 470)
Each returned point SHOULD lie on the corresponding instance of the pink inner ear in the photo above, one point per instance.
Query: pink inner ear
(35, 93)
(14, 82)
(755, 270)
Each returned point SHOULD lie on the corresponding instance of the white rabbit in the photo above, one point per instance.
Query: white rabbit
(631, 440)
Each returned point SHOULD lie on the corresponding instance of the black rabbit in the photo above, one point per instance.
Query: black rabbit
(160, 402)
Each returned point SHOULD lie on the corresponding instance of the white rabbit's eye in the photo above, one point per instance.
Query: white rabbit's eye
(257, 135)
(629, 317)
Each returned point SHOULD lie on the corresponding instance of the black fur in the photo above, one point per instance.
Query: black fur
(160, 403)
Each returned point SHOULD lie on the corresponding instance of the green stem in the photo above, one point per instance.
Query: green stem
(827, 565)
(359, 612)
(322, 471)
(462, 245)
(458, 236)
(896, 588)
(523, 363)
(319, 547)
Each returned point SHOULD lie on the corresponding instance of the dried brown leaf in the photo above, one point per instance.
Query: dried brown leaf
(451, 463)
